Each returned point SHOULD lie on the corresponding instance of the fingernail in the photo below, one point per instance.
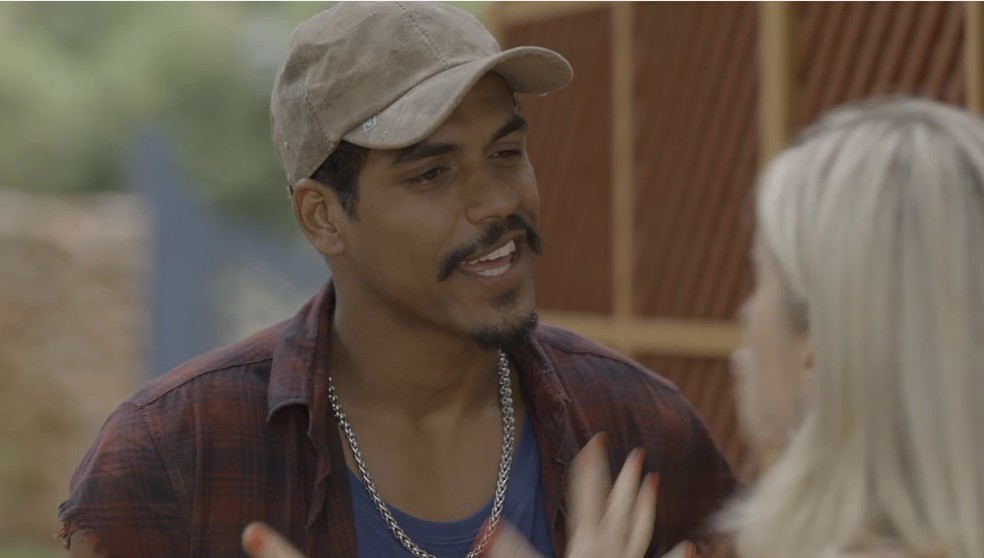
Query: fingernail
(493, 539)
(653, 480)
(254, 539)
(492, 536)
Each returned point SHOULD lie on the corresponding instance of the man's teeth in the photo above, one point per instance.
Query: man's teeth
(497, 271)
(500, 253)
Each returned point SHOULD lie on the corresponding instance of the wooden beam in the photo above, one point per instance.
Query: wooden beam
(974, 55)
(776, 77)
(642, 335)
(776, 73)
(623, 160)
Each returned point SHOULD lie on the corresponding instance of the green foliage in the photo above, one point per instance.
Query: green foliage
(79, 83)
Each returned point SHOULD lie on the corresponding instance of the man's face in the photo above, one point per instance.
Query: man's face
(445, 230)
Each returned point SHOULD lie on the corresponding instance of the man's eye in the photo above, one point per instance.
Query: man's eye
(508, 153)
(428, 176)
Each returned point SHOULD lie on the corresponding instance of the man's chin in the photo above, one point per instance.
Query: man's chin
(506, 336)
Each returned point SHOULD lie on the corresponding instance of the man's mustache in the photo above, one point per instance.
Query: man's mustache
(489, 237)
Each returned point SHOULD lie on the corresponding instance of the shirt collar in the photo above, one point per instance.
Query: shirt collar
(300, 360)
(547, 396)
(299, 371)
(299, 376)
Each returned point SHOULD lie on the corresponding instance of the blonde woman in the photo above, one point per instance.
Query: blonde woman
(864, 350)
(865, 339)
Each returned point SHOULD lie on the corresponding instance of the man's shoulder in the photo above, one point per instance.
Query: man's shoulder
(579, 361)
(183, 414)
(239, 367)
(158, 455)
(609, 392)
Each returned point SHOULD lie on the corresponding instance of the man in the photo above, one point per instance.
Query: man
(415, 398)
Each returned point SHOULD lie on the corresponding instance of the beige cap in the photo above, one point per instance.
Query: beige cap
(385, 75)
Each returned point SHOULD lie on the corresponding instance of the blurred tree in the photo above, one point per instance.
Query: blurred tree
(80, 82)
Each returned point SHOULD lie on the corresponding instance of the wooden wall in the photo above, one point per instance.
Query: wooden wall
(647, 160)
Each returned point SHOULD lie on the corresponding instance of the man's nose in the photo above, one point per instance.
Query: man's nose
(490, 199)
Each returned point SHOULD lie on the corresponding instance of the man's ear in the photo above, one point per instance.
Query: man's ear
(320, 214)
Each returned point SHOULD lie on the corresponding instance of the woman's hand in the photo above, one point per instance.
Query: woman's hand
(611, 521)
(606, 520)
(260, 541)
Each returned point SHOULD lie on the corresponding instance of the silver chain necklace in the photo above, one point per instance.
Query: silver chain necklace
(505, 465)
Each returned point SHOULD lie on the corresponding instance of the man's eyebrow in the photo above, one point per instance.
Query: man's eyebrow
(421, 150)
(516, 123)
(425, 149)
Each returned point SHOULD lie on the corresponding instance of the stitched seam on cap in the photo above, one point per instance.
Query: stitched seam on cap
(423, 35)
(317, 124)
(310, 108)
(313, 115)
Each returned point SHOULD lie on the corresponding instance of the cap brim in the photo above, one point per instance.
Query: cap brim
(419, 112)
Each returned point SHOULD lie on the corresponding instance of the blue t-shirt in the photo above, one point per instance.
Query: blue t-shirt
(523, 509)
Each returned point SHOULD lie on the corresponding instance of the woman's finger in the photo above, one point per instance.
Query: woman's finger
(643, 518)
(589, 487)
(509, 543)
(621, 502)
(261, 541)
(685, 549)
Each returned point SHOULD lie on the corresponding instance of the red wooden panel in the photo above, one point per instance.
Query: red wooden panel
(570, 142)
(696, 99)
(849, 51)
(696, 150)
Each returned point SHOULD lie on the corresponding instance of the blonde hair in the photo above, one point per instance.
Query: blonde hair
(875, 218)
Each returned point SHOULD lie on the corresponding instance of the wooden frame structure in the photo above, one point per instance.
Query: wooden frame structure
(974, 55)
(622, 329)
(778, 100)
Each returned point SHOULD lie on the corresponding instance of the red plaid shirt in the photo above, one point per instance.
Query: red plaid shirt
(244, 433)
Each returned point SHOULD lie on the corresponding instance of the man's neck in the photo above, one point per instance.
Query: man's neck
(415, 371)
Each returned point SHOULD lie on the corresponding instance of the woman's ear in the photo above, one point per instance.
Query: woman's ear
(320, 214)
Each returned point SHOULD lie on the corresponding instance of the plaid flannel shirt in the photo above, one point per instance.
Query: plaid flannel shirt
(245, 433)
